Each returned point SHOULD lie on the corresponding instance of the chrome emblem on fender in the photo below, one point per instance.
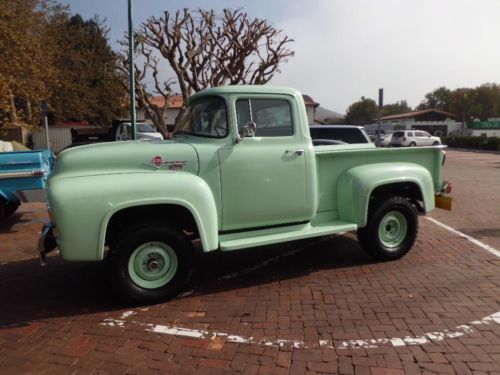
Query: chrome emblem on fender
(158, 162)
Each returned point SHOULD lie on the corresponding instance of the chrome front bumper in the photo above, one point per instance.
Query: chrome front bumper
(47, 242)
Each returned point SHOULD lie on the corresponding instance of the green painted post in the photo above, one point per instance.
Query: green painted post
(131, 69)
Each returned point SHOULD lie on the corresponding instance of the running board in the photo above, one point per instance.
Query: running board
(243, 240)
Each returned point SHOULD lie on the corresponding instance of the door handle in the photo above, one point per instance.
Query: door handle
(299, 152)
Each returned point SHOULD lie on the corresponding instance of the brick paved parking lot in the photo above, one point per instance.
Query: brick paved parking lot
(318, 306)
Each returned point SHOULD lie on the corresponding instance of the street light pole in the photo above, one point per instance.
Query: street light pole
(380, 107)
(131, 69)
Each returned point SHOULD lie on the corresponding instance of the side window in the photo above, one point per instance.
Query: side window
(410, 134)
(419, 134)
(272, 117)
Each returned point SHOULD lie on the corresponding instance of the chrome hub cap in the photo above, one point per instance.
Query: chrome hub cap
(152, 265)
(393, 229)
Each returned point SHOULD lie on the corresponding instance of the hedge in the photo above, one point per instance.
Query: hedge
(478, 143)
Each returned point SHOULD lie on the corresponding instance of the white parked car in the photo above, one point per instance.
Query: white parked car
(413, 138)
(385, 140)
(143, 131)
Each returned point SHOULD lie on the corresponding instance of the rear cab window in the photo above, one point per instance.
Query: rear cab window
(272, 117)
(347, 135)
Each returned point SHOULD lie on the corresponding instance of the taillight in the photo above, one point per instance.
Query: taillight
(447, 187)
(37, 172)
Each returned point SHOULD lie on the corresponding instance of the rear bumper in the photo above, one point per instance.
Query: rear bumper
(47, 242)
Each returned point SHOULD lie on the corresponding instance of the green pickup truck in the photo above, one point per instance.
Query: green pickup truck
(240, 171)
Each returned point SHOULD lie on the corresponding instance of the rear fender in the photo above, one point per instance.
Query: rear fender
(356, 185)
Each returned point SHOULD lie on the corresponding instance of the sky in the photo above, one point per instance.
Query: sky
(346, 49)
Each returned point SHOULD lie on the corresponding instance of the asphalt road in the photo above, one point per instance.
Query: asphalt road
(319, 306)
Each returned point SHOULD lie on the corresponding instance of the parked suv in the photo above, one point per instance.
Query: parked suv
(414, 138)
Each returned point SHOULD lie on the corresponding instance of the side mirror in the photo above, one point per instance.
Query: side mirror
(247, 130)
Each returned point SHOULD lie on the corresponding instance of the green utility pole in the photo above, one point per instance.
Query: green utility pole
(380, 107)
(131, 69)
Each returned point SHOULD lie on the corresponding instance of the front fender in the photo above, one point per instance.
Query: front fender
(83, 206)
(356, 185)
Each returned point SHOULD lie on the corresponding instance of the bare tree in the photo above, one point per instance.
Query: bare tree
(148, 65)
(204, 50)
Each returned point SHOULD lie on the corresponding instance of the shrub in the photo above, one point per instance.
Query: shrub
(478, 143)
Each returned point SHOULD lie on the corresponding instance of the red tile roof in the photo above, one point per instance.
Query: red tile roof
(308, 101)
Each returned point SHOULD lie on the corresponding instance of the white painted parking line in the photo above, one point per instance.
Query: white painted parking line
(426, 338)
(466, 236)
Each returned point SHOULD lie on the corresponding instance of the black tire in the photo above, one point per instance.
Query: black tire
(436, 143)
(128, 249)
(11, 207)
(389, 210)
(3, 209)
(413, 144)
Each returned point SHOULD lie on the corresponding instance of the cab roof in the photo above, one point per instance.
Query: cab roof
(245, 89)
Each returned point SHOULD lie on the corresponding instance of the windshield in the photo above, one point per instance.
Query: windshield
(205, 117)
(145, 128)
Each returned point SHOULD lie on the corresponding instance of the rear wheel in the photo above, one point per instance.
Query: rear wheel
(413, 144)
(391, 230)
(151, 263)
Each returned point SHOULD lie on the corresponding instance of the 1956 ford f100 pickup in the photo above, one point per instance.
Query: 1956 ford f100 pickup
(240, 171)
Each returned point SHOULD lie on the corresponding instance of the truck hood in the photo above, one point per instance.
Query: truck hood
(127, 157)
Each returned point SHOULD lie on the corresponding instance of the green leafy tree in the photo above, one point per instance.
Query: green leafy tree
(88, 86)
(46, 54)
(396, 108)
(482, 102)
(487, 99)
(362, 112)
(26, 58)
(438, 99)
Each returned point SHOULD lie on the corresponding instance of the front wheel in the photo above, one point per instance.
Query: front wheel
(391, 230)
(11, 207)
(151, 263)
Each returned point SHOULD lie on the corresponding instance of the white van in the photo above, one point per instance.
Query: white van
(413, 138)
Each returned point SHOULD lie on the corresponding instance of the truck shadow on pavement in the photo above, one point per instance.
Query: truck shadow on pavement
(21, 218)
(30, 292)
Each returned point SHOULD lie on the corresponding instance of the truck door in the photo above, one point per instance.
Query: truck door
(263, 176)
